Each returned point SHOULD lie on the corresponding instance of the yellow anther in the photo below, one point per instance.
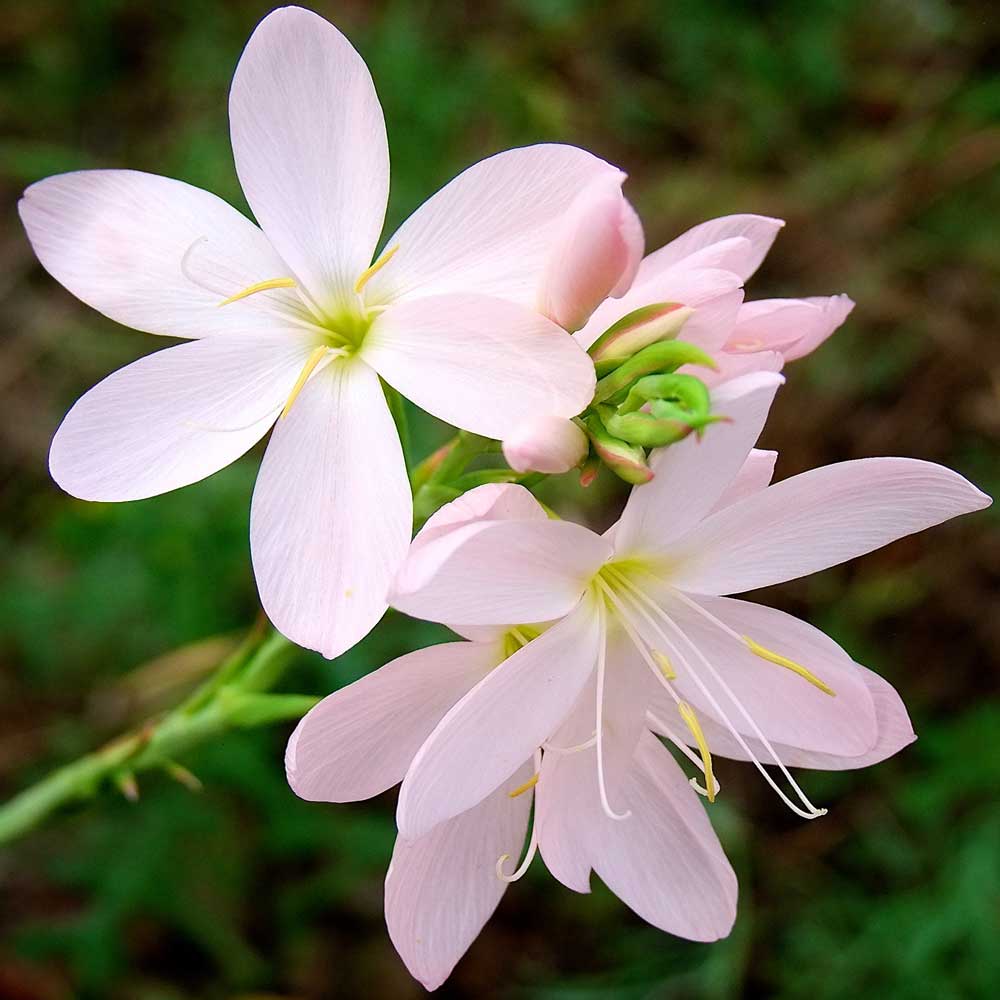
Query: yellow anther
(314, 359)
(687, 714)
(370, 272)
(521, 789)
(782, 661)
(666, 667)
(261, 286)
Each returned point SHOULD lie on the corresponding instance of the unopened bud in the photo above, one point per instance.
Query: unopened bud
(660, 410)
(595, 254)
(640, 328)
(625, 460)
(546, 444)
(663, 357)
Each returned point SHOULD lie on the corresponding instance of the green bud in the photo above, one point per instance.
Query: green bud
(625, 460)
(639, 329)
(663, 357)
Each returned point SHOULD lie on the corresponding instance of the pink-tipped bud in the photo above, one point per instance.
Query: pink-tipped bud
(547, 444)
(595, 254)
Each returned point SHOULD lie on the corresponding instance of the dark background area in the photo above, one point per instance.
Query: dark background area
(874, 129)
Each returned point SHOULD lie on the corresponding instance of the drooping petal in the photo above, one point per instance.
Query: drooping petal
(479, 363)
(756, 475)
(331, 511)
(310, 148)
(499, 572)
(664, 861)
(787, 707)
(758, 229)
(175, 416)
(690, 476)
(359, 741)
(442, 887)
(795, 327)
(489, 231)
(499, 723)
(154, 253)
(816, 520)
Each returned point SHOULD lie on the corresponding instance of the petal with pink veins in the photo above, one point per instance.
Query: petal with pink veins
(442, 887)
(479, 363)
(359, 741)
(310, 148)
(331, 513)
(816, 520)
(499, 723)
(175, 416)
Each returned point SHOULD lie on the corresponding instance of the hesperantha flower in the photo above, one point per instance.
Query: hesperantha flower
(719, 676)
(293, 324)
(442, 887)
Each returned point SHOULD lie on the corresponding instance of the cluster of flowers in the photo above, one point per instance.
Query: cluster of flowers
(515, 304)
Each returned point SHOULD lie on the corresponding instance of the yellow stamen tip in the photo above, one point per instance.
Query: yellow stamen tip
(687, 714)
(370, 272)
(666, 667)
(521, 789)
(783, 661)
(261, 286)
(307, 370)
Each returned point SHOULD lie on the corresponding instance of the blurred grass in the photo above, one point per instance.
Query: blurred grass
(874, 128)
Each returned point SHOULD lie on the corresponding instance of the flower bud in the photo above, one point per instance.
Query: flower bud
(625, 460)
(595, 254)
(547, 444)
(640, 328)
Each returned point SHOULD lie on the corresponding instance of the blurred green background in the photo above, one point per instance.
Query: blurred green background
(874, 129)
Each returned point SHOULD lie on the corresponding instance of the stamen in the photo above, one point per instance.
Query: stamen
(314, 359)
(599, 725)
(578, 748)
(527, 786)
(370, 272)
(782, 661)
(667, 731)
(533, 840)
(261, 286)
(687, 714)
(666, 667)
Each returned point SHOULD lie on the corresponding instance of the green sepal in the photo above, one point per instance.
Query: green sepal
(638, 329)
(625, 460)
(666, 356)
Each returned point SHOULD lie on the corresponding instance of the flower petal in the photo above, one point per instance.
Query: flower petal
(175, 416)
(664, 861)
(816, 520)
(154, 253)
(442, 887)
(359, 741)
(310, 148)
(499, 723)
(480, 363)
(690, 476)
(795, 327)
(489, 231)
(500, 572)
(756, 475)
(331, 511)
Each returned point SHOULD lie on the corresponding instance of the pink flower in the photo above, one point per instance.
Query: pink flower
(704, 269)
(638, 639)
(292, 322)
(547, 444)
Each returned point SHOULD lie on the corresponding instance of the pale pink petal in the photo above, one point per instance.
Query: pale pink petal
(758, 229)
(816, 520)
(310, 148)
(499, 572)
(787, 708)
(499, 723)
(359, 741)
(596, 253)
(174, 417)
(545, 444)
(691, 475)
(331, 513)
(479, 363)
(442, 887)
(154, 253)
(795, 327)
(489, 231)
(664, 861)
(756, 475)
(733, 366)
